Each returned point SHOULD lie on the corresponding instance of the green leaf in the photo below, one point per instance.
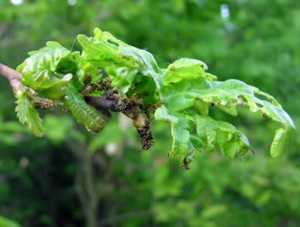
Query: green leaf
(277, 146)
(131, 69)
(43, 69)
(186, 69)
(163, 114)
(28, 115)
(192, 132)
(227, 95)
(184, 92)
(104, 52)
(4, 222)
(188, 92)
(44, 59)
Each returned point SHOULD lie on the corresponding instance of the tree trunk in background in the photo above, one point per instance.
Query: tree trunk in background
(85, 184)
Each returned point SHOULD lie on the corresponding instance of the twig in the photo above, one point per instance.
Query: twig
(111, 102)
(13, 77)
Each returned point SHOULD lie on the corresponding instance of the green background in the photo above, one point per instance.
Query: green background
(73, 178)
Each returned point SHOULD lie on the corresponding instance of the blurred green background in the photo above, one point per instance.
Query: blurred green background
(72, 178)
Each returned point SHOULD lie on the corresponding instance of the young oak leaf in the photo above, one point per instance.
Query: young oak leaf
(278, 143)
(185, 92)
(192, 132)
(188, 92)
(186, 69)
(132, 70)
(44, 59)
(28, 115)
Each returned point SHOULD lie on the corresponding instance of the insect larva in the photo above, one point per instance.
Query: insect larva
(83, 113)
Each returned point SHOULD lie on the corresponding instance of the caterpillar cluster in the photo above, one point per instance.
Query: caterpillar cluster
(113, 101)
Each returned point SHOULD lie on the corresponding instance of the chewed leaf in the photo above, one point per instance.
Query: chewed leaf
(192, 132)
(182, 94)
(28, 115)
(229, 94)
(221, 135)
(276, 113)
(188, 91)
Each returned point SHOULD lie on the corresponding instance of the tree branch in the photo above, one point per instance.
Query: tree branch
(13, 77)
(111, 102)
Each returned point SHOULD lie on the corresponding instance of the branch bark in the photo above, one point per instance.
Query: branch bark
(13, 77)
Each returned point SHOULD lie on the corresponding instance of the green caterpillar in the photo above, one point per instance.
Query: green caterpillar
(83, 113)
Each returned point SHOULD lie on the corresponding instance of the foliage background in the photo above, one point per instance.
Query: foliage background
(71, 178)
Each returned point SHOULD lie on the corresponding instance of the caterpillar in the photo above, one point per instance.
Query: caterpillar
(82, 112)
